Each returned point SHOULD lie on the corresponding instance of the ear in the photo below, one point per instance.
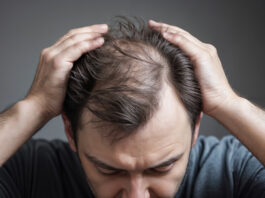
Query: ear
(69, 132)
(196, 130)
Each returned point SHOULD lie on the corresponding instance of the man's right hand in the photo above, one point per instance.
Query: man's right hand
(46, 95)
(49, 86)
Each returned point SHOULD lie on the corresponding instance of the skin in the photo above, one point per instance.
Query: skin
(245, 120)
(135, 155)
(45, 98)
(166, 135)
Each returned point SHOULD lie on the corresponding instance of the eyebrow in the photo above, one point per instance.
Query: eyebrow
(101, 164)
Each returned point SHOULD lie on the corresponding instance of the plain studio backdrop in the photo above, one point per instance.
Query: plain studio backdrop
(235, 28)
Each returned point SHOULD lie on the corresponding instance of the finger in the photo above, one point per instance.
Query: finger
(71, 40)
(92, 28)
(100, 28)
(163, 27)
(190, 48)
(73, 52)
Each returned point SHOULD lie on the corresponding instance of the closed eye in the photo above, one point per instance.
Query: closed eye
(163, 169)
(105, 171)
(158, 170)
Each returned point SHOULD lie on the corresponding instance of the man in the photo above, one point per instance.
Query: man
(131, 101)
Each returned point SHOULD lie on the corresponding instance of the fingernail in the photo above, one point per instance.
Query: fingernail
(104, 26)
(100, 40)
(152, 21)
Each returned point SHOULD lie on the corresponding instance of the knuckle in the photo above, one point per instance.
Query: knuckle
(48, 57)
(182, 34)
(46, 54)
(178, 37)
(70, 32)
(187, 34)
(73, 38)
(83, 45)
(203, 55)
(44, 51)
(211, 49)
(90, 28)
(164, 28)
(94, 34)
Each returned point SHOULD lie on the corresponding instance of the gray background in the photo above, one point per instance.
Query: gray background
(236, 28)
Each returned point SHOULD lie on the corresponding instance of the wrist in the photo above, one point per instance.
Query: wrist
(231, 105)
(20, 122)
(34, 106)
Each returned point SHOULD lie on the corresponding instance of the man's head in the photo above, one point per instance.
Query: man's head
(131, 111)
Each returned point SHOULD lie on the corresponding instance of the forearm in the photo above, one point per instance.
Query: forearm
(243, 119)
(17, 125)
(247, 122)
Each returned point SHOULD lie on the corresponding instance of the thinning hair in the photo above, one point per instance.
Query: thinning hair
(120, 82)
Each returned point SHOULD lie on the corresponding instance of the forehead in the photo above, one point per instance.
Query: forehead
(167, 133)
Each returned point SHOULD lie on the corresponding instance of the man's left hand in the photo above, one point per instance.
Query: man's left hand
(216, 91)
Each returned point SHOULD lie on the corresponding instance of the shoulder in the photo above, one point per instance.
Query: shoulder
(53, 145)
(50, 156)
(223, 168)
(42, 149)
(45, 164)
(205, 147)
(41, 154)
(226, 154)
(228, 149)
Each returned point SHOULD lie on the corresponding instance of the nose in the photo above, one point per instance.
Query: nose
(136, 188)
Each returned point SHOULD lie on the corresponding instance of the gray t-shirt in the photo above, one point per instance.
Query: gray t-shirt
(217, 169)
(223, 169)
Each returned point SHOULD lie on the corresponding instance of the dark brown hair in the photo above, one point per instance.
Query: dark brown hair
(120, 81)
